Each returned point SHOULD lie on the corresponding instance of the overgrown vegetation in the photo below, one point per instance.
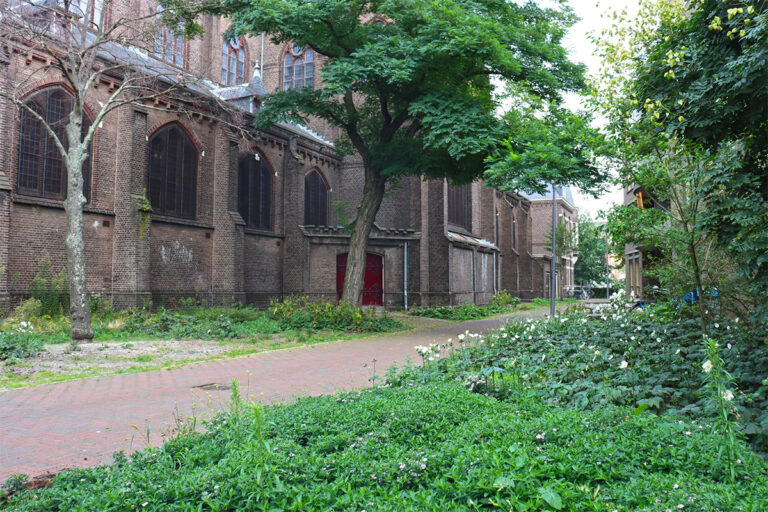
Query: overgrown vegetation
(501, 302)
(648, 360)
(24, 334)
(434, 446)
(303, 313)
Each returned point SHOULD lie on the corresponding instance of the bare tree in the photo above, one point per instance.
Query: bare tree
(89, 45)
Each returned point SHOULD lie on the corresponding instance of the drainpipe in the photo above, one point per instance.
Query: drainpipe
(261, 59)
(474, 281)
(405, 275)
(495, 278)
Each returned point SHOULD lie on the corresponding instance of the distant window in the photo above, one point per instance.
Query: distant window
(298, 68)
(254, 192)
(460, 206)
(173, 173)
(169, 45)
(233, 62)
(315, 200)
(41, 170)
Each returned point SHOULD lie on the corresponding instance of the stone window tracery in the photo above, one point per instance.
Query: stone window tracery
(298, 67)
(233, 61)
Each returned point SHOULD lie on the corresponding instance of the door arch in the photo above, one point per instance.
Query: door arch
(373, 283)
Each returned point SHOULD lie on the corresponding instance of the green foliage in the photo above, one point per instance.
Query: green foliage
(202, 323)
(429, 447)
(50, 289)
(697, 71)
(622, 358)
(19, 342)
(559, 148)
(503, 298)
(303, 313)
(590, 267)
(501, 302)
(29, 309)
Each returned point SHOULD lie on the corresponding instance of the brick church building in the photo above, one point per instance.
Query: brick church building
(235, 220)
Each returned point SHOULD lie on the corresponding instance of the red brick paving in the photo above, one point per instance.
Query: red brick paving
(82, 422)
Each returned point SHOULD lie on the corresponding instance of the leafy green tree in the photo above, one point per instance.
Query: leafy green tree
(590, 266)
(547, 144)
(704, 77)
(412, 92)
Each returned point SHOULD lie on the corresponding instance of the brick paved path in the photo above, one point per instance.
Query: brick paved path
(82, 422)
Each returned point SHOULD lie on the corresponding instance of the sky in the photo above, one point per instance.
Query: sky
(582, 50)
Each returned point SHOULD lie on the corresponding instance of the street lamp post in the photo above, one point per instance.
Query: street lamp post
(552, 267)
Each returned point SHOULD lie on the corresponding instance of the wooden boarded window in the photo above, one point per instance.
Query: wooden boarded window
(41, 168)
(254, 192)
(460, 206)
(315, 200)
(173, 173)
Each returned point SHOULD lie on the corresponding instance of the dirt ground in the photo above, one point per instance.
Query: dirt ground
(59, 362)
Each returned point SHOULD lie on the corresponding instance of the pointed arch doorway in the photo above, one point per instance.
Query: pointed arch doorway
(373, 283)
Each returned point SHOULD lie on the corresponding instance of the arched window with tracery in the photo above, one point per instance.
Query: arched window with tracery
(173, 173)
(233, 61)
(41, 168)
(254, 191)
(298, 68)
(169, 43)
(315, 199)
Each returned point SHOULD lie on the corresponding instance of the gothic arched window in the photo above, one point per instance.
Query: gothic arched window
(173, 173)
(315, 200)
(41, 168)
(298, 68)
(254, 192)
(233, 62)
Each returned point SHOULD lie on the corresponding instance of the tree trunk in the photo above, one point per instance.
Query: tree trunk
(373, 194)
(79, 310)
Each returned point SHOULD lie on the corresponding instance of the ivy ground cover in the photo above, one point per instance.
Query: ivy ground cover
(425, 447)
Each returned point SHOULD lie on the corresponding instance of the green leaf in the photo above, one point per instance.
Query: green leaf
(552, 498)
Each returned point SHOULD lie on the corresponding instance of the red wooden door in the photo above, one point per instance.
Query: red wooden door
(373, 283)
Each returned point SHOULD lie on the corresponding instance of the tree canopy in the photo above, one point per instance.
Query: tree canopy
(410, 84)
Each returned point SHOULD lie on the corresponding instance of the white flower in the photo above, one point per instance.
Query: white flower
(658, 340)
(727, 395)
(717, 326)
(707, 366)
(461, 337)
(623, 364)
(543, 356)
(677, 351)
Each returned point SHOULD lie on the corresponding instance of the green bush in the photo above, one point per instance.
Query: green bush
(19, 343)
(463, 312)
(50, 289)
(303, 313)
(424, 448)
(502, 298)
(29, 309)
